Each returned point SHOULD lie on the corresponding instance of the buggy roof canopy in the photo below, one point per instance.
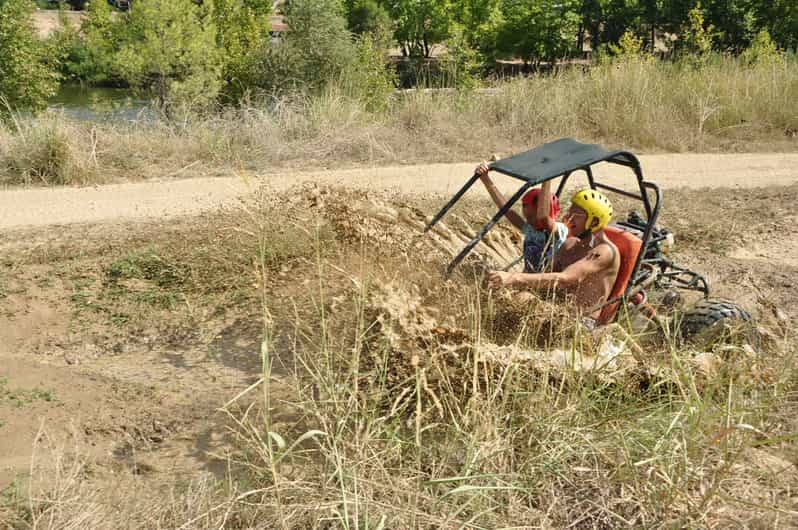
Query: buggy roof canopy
(548, 161)
(559, 158)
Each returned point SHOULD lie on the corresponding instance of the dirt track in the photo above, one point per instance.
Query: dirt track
(42, 207)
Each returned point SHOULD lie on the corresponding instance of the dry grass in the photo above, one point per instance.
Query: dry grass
(399, 418)
(725, 105)
(413, 426)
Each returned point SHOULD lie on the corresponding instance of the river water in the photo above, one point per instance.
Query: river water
(101, 104)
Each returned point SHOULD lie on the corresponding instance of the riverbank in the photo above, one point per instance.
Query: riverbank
(649, 107)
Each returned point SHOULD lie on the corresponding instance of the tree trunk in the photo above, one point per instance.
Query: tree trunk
(653, 37)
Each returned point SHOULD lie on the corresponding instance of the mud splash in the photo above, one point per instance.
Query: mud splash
(414, 344)
(387, 222)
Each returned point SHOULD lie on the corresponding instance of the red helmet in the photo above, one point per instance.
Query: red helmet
(531, 198)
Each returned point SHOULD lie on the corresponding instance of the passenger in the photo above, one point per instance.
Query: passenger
(543, 235)
(586, 265)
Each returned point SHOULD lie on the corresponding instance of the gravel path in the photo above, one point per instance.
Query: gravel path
(38, 207)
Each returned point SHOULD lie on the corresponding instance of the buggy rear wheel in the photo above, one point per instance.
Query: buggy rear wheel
(713, 320)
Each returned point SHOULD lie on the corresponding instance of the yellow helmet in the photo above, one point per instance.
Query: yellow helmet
(596, 205)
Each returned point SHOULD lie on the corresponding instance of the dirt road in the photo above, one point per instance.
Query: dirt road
(21, 208)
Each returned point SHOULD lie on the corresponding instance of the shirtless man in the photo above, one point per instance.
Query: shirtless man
(586, 265)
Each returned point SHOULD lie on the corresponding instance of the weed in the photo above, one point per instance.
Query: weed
(119, 319)
(22, 397)
(148, 265)
(158, 298)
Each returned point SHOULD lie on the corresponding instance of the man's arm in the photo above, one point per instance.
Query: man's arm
(596, 261)
(496, 195)
(544, 207)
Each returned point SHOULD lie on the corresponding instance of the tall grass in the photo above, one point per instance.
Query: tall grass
(358, 420)
(423, 437)
(725, 104)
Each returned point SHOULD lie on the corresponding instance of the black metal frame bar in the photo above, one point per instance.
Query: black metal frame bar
(452, 202)
(683, 278)
(502, 211)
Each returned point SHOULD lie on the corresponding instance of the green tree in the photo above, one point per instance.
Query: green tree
(461, 62)
(370, 78)
(696, 35)
(618, 17)
(28, 77)
(651, 18)
(170, 49)
(477, 20)
(538, 30)
(728, 18)
(780, 19)
(368, 16)
(242, 35)
(66, 44)
(629, 46)
(259, 7)
(762, 50)
(317, 48)
(589, 23)
(103, 34)
(420, 24)
(89, 55)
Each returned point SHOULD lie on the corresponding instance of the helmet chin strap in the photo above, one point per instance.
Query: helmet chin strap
(585, 234)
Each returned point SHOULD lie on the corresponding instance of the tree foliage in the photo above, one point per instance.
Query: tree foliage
(198, 52)
(89, 55)
(242, 35)
(169, 48)
(28, 74)
(317, 48)
(368, 16)
(420, 24)
(538, 30)
(697, 35)
(369, 78)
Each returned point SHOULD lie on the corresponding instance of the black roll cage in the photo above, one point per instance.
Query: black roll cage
(560, 159)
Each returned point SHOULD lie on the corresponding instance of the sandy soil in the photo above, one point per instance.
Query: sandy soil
(165, 199)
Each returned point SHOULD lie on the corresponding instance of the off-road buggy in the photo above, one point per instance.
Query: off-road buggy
(646, 273)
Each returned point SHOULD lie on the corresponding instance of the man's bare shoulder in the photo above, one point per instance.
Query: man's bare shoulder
(569, 243)
(605, 252)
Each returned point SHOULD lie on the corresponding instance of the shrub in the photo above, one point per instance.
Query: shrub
(762, 50)
(44, 151)
(170, 51)
(28, 77)
(317, 49)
